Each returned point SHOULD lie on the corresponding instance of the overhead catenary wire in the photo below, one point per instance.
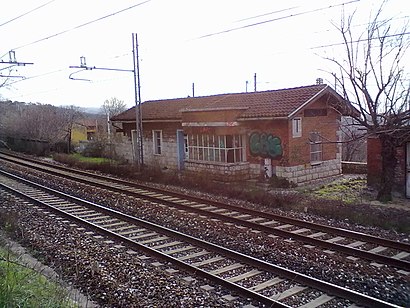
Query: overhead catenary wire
(38, 76)
(26, 13)
(267, 49)
(80, 26)
(266, 14)
(275, 19)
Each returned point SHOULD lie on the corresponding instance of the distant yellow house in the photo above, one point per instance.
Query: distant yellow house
(83, 131)
(78, 133)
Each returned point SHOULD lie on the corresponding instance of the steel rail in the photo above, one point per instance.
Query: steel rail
(402, 264)
(297, 222)
(326, 287)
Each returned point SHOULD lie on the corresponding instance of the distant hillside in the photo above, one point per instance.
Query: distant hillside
(92, 110)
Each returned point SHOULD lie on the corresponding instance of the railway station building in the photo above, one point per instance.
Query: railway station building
(291, 133)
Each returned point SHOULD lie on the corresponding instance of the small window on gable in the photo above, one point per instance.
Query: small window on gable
(157, 141)
(297, 127)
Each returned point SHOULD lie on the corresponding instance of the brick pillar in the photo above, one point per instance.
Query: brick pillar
(374, 160)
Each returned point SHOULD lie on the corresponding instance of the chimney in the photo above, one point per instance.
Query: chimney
(319, 80)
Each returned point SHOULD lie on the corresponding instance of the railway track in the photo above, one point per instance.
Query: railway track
(267, 283)
(352, 244)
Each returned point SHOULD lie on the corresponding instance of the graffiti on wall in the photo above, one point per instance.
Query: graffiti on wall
(265, 145)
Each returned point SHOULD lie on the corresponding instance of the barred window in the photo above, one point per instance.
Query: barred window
(225, 149)
(315, 147)
(297, 127)
(157, 141)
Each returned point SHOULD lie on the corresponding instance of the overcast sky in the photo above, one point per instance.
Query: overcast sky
(216, 44)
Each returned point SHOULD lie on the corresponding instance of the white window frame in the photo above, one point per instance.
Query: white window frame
(316, 148)
(186, 148)
(157, 143)
(216, 148)
(297, 127)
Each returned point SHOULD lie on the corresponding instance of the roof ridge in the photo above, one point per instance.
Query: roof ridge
(237, 93)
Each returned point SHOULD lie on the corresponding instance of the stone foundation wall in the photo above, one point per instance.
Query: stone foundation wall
(219, 172)
(304, 174)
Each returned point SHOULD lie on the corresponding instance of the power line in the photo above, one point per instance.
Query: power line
(82, 25)
(37, 76)
(270, 13)
(26, 13)
(275, 19)
(361, 40)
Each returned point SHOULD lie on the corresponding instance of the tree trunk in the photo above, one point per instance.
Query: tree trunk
(389, 162)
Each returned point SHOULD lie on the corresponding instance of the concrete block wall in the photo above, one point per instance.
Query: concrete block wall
(220, 172)
(168, 157)
(307, 173)
(124, 150)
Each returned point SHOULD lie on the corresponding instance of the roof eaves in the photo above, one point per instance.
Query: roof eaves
(307, 102)
(161, 120)
(213, 109)
(261, 118)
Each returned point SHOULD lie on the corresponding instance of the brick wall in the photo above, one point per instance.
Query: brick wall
(374, 161)
(400, 171)
(349, 167)
(374, 164)
(329, 129)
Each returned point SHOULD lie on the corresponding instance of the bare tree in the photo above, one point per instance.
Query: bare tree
(354, 141)
(372, 76)
(69, 116)
(113, 106)
(37, 121)
(110, 108)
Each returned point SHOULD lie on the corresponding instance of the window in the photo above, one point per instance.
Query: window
(157, 141)
(315, 147)
(297, 127)
(224, 149)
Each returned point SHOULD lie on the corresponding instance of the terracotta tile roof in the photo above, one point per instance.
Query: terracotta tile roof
(275, 103)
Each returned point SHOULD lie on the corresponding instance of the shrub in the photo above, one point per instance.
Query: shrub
(94, 148)
(279, 182)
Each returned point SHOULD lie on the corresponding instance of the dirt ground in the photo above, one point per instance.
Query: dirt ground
(353, 188)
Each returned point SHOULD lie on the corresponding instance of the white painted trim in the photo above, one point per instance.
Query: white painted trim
(213, 109)
(199, 124)
(262, 119)
(308, 102)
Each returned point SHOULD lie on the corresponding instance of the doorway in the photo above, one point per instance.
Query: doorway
(181, 149)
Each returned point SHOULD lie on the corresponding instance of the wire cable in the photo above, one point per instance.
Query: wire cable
(26, 13)
(270, 13)
(274, 19)
(38, 76)
(82, 25)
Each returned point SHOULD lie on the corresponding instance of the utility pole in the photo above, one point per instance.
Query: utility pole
(139, 150)
(254, 80)
(137, 138)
